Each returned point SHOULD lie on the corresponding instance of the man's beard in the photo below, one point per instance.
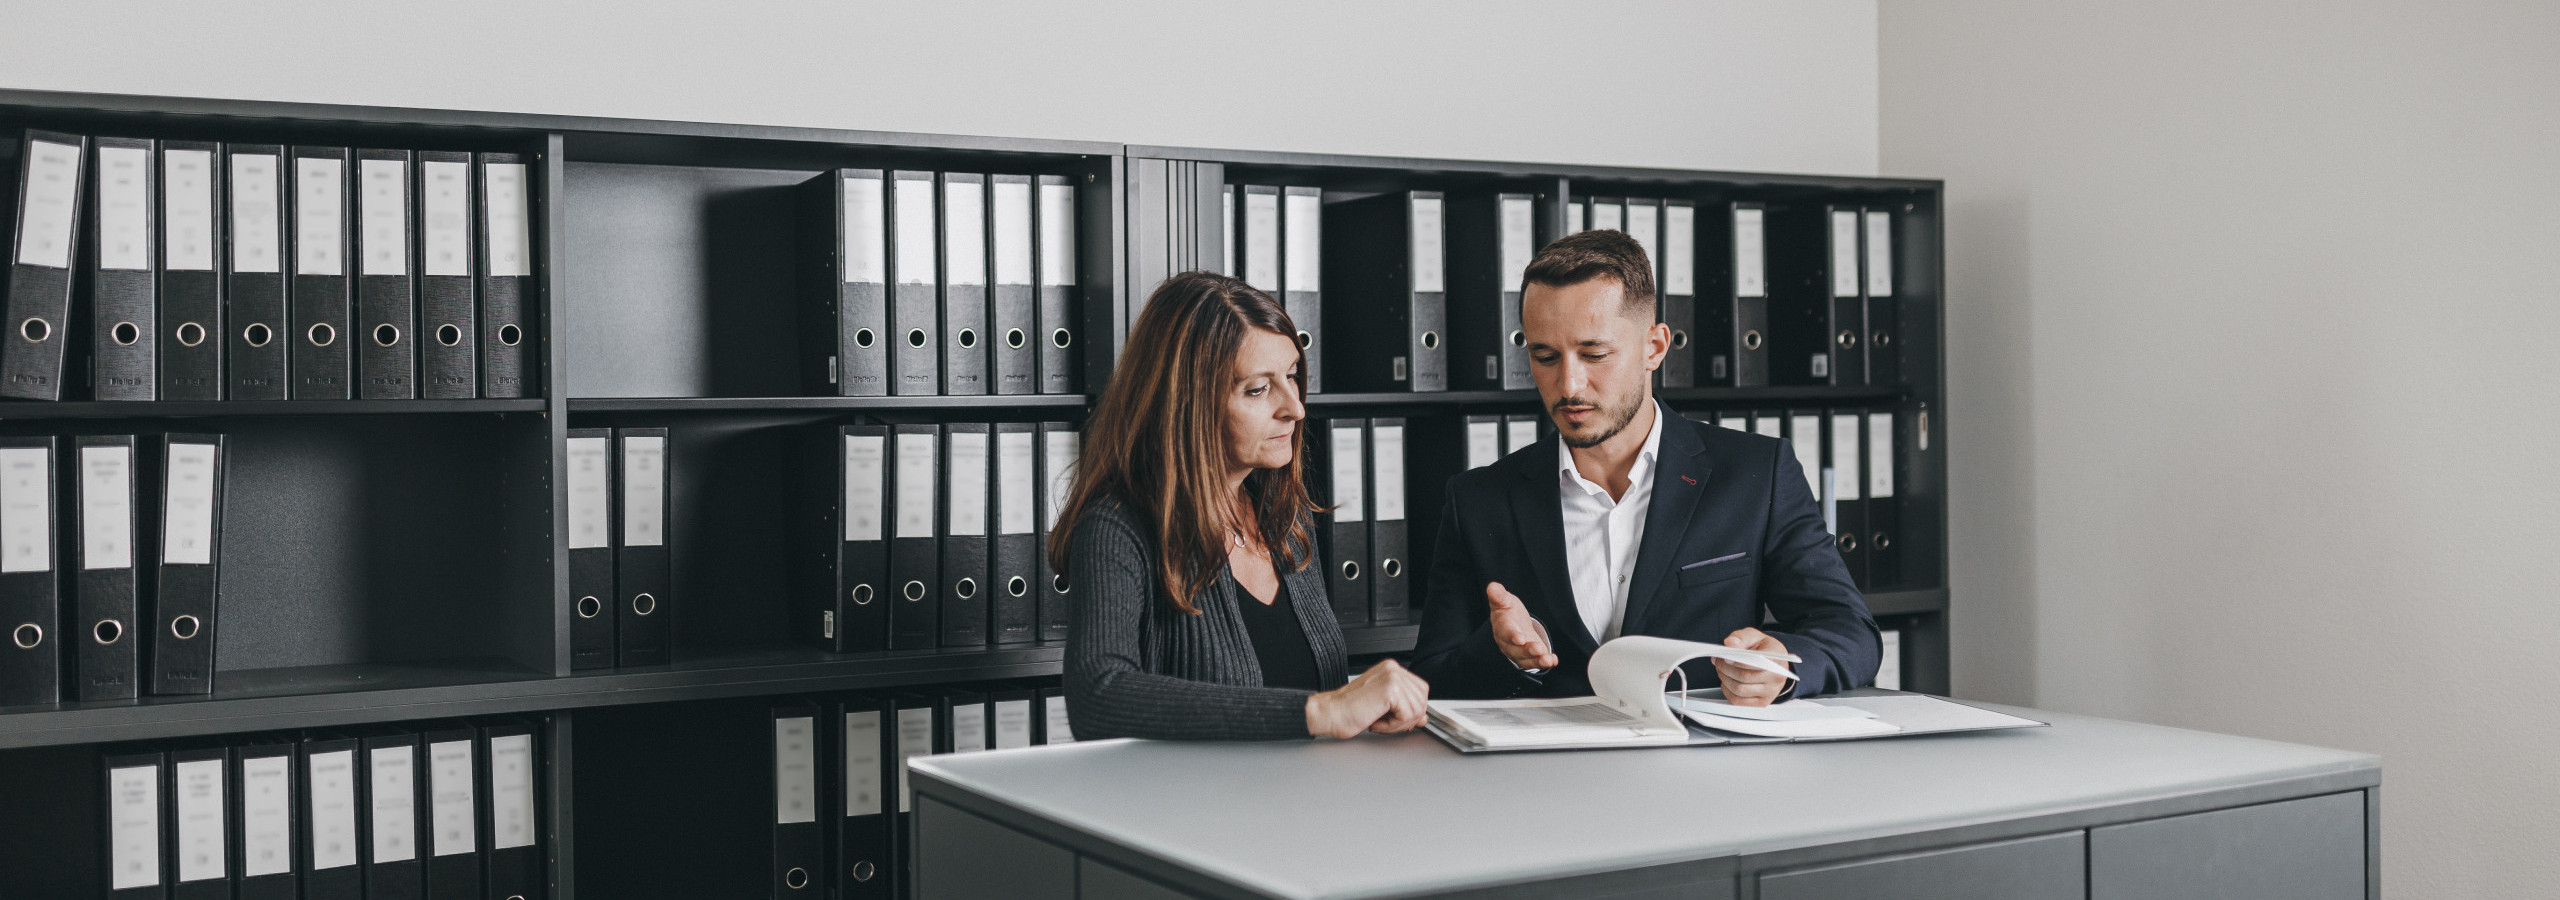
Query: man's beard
(1617, 420)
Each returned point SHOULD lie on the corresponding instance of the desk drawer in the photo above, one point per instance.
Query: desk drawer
(2046, 867)
(2308, 849)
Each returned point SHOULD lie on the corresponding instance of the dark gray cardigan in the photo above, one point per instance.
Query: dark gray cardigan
(1137, 667)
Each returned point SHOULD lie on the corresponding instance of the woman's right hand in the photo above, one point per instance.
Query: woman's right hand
(1386, 699)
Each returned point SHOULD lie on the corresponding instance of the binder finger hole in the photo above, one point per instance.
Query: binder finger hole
(449, 335)
(191, 334)
(1880, 339)
(1848, 339)
(1431, 340)
(1391, 567)
(966, 588)
(968, 338)
(915, 338)
(1751, 340)
(862, 595)
(35, 330)
(863, 338)
(1679, 340)
(796, 879)
(1058, 583)
(644, 603)
(257, 334)
(1014, 338)
(1017, 586)
(185, 627)
(510, 335)
(1061, 338)
(1350, 570)
(107, 631)
(589, 607)
(913, 591)
(1306, 340)
(1880, 541)
(125, 334)
(386, 335)
(1519, 339)
(1848, 542)
(322, 335)
(27, 636)
(862, 871)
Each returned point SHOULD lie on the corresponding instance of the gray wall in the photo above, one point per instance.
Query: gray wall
(2256, 404)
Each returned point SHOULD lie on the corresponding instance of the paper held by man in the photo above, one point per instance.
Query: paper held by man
(1629, 708)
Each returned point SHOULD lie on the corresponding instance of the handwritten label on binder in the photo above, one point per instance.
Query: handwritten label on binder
(866, 239)
(964, 232)
(256, 222)
(915, 486)
(1679, 250)
(186, 535)
(449, 796)
(1058, 457)
(1014, 478)
(201, 855)
(106, 507)
(385, 215)
(915, 739)
(795, 773)
(509, 220)
(444, 218)
(124, 208)
(1348, 504)
(511, 791)
(862, 763)
(1430, 263)
(644, 491)
(1302, 215)
(1013, 232)
(395, 803)
(1057, 235)
(26, 509)
(48, 205)
(1844, 455)
(1484, 444)
(1750, 254)
(865, 464)
(1013, 723)
(914, 201)
(1057, 729)
(186, 181)
(1879, 254)
(1519, 240)
(133, 826)
(1844, 253)
(968, 483)
(1262, 241)
(590, 484)
(1880, 455)
(266, 815)
(333, 809)
(1387, 464)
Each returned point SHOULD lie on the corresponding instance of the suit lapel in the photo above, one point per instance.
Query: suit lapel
(1539, 511)
(1680, 472)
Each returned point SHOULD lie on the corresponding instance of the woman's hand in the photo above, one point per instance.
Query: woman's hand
(1386, 699)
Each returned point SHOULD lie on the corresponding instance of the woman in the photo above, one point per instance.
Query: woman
(1201, 611)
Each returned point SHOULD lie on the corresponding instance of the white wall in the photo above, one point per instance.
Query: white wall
(2255, 401)
(1730, 85)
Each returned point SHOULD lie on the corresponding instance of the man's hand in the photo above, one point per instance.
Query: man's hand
(1744, 685)
(1522, 637)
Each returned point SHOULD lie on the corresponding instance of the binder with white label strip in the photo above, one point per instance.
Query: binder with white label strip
(266, 818)
(1604, 214)
(912, 732)
(1691, 362)
(1338, 479)
(124, 287)
(1842, 259)
(511, 770)
(448, 288)
(1889, 668)
(864, 738)
(1301, 241)
(1055, 726)
(503, 191)
(643, 575)
(390, 775)
(1059, 447)
(105, 585)
(386, 271)
(960, 721)
(1884, 317)
(1491, 240)
(1748, 238)
(1390, 552)
(594, 607)
(1387, 292)
(1061, 320)
(964, 282)
(198, 791)
(136, 825)
(333, 818)
(1848, 490)
(799, 852)
(320, 314)
(1643, 222)
(1010, 716)
(450, 775)
(1014, 520)
(915, 621)
(1804, 433)
(1522, 430)
(1884, 513)
(190, 318)
(964, 586)
(843, 603)
(1013, 323)
(915, 286)
(187, 579)
(844, 283)
(30, 581)
(43, 215)
(255, 177)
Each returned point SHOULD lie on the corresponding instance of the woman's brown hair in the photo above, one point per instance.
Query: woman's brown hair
(1156, 440)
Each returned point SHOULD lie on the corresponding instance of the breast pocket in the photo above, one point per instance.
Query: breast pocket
(1717, 570)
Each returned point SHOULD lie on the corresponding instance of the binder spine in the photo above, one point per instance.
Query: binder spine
(799, 836)
(45, 219)
(1848, 305)
(322, 295)
(123, 252)
(1346, 529)
(964, 282)
(915, 315)
(511, 770)
(1014, 597)
(1751, 335)
(452, 844)
(502, 187)
(201, 793)
(593, 605)
(105, 591)
(1426, 340)
(844, 308)
(267, 820)
(1884, 355)
(1013, 303)
(1390, 552)
(448, 338)
(1490, 241)
(136, 829)
(1059, 447)
(643, 578)
(861, 864)
(333, 827)
(392, 867)
(30, 583)
(185, 621)
(1677, 294)
(190, 342)
(967, 595)
(1060, 323)
(386, 292)
(254, 177)
(1301, 243)
(915, 621)
(862, 592)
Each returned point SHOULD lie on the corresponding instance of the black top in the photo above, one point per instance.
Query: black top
(1278, 642)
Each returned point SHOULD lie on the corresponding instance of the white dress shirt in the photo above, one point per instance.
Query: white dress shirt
(1601, 535)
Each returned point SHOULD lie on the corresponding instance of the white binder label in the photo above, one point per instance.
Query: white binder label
(395, 803)
(1644, 223)
(256, 223)
(1484, 444)
(106, 507)
(1387, 463)
(1573, 219)
(385, 216)
(1013, 723)
(319, 190)
(590, 490)
(968, 727)
(866, 458)
(1057, 234)
(1429, 260)
(1844, 253)
(1769, 427)
(1679, 250)
(968, 483)
(1606, 216)
(444, 218)
(449, 796)
(1058, 729)
(1734, 423)
(186, 181)
(48, 206)
(1348, 505)
(1844, 455)
(1806, 433)
(1013, 232)
(1262, 241)
(862, 763)
(1889, 669)
(133, 825)
(1521, 434)
(1519, 240)
(124, 208)
(1879, 254)
(915, 738)
(914, 199)
(510, 221)
(866, 241)
(1750, 258)
(26, 509)
(266, 815)
(511, 791)
(1227, 232)
(1303, 217)
(644, 491)
(915, 486)
(795, 773)
(1880, 455)
(1060, 458)
(186, 534)
(964, 232)
(201, 855)
(333, 809)
(1014, 502)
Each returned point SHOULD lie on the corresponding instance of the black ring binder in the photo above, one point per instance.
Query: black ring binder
(322, 335)
(191, 334)
(36, 330)
(185, 628)
(257, 334)
(125, 333)
(107, 631)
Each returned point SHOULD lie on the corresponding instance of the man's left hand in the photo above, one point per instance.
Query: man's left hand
(1747, 686)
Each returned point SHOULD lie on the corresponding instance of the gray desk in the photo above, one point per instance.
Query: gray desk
(2089, 808)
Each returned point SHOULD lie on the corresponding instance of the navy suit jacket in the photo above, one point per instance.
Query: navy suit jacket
(1733, 530)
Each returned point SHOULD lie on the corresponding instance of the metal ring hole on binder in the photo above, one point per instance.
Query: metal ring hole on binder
(449, 335)
(27, 636)
(185, 628)
(1391, 567)
(510, 335)
(1350, 570)
(322, 335)
(1848, 339)
(1881, 541)
(589, 607)
(644, 604)
(36, 330)
(191, 334)
(257, 334)
(1679, 339)
(1519, 339)
(968, 587)
(862, 595)
(1848, 542)
(1061, 338)
(1306, 340)
(125, 334)
(1431, 340)
(796, 879)
(1881, 339)
(914, 591)
(1058, 583)
(968, 338)
(108, 631)
(1014, 338)
(862, 871)
(915, 338)
(1751, 340)
(863, 337)
(386, 335)
(1017, 586)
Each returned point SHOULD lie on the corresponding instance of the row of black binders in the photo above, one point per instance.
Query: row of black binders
(921, 536)
(239, 271)
(448, 811)
(620, 568)
(919, 283)
(126, 563)
(1850, 458)
(1355, 469)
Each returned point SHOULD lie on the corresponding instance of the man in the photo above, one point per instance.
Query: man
(1632, 521)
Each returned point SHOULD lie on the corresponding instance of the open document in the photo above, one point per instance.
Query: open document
(1629, 709)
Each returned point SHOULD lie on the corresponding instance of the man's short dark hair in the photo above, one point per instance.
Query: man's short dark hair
(1576, 258)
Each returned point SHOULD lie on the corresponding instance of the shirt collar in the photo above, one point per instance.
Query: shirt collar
(1644, 458)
